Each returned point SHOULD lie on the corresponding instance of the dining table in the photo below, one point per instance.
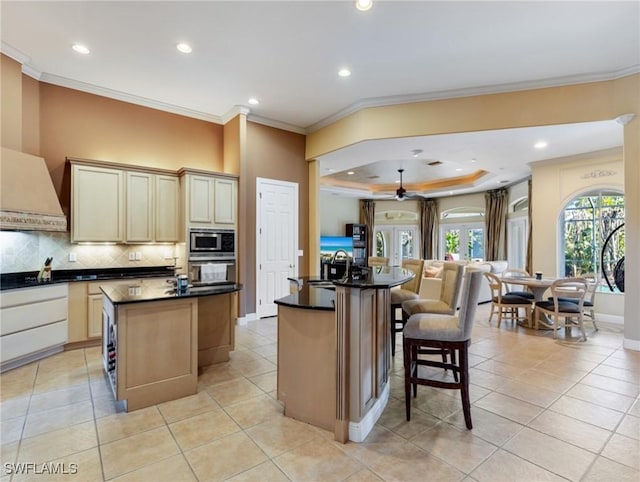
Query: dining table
(538, 288)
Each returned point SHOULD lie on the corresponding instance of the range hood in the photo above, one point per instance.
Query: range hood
(28, 200)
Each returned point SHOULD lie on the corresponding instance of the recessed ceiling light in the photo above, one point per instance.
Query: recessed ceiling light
(350, 173)
(459, 169)
(541, 144)
(185, 48)
(253, 101)
(364, 5)
(344, 72)
(81, 49)
(473, 160)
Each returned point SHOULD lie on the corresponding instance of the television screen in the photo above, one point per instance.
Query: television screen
(330, 244)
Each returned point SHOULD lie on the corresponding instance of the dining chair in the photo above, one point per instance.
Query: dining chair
(406, 291)
(442, 332)
(507, 306)
(511, 289)
(377, 261)
(566, 301)
(589, 308)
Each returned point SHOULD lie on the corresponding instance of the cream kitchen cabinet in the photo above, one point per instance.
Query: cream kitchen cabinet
(152, 208)
(209, 200)
(167, 209)
(33, 324)
(226, 197)
(123, 205)
(139, 213)
(97, 204)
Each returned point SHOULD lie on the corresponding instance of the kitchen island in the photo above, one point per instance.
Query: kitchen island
(334, 350)
(155, 338)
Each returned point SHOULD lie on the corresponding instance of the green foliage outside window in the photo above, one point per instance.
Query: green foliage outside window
(587, 221)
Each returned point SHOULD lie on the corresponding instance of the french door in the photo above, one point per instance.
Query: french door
(462, 241)
(397, 243)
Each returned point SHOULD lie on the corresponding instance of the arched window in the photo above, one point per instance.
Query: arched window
(586, 222)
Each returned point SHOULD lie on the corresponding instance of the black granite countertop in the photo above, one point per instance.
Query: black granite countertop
(161, 290)
(315, 293)
(26, 279)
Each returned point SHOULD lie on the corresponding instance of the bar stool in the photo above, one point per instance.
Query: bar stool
(406, 291)
(442, 332)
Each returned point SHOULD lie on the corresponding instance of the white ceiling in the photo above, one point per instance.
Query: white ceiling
(287, 54)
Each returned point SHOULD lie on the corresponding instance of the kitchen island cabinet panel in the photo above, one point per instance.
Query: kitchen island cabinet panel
(216, 323)
(97, 204)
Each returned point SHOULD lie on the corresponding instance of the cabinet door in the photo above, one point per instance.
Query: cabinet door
(225, 201)
(201, 199)
(167, 208)
(97, 204)
(139, 207)
(94, 316)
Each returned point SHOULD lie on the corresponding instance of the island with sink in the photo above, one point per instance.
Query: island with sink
(334, 351)
(155, 338)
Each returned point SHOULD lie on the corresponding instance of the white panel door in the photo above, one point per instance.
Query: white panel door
(277, 243)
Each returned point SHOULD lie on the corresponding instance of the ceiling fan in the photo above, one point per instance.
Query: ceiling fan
(401, 192)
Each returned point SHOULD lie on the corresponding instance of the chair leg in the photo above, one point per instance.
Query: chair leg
(464, 389)
(414, 367)
(406, 346)
(393, 330)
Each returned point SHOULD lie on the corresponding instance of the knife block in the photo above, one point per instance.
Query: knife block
(44, 274)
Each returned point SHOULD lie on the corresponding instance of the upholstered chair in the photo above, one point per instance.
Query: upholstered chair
(406, 291)
(566, 302)
(451, 276)
(505, 305)
(377, 261)
(446, 333)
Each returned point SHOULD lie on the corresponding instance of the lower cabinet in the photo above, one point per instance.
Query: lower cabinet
(94, 316)
(33, 324)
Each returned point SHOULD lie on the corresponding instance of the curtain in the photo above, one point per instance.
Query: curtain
(367, 217)
(529, 263)
(428, 224)
(497, 205)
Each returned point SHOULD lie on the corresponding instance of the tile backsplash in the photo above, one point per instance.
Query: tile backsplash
(27, 250)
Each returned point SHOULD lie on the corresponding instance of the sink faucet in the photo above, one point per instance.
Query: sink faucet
(342, 251)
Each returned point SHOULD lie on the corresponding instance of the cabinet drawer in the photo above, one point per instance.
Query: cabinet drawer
(24, 296)
(24, 317)
(31, 341)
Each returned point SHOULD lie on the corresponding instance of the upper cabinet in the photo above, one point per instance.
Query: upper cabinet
(140, 207)
(97, 204)
(225, 201)
(209, 200)
(123, 205)
(167, 203)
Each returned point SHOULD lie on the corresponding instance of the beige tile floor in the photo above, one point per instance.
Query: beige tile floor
(542, 410)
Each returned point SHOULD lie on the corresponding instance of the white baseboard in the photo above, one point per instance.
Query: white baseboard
(358, 431)
(631, 344)
(616, 319)
(242, 320)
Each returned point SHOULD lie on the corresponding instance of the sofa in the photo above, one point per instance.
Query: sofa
(431, 282)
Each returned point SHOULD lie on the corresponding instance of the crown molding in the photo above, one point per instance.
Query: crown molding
(234, 111)
(14, 53)
(277, 124)
(473, 91)
(132, 99)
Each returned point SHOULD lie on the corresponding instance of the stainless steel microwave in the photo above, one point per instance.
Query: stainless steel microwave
(212, 243)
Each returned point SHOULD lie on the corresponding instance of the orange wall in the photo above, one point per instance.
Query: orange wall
(78, 124)
(273, 154)
(30, 115)
(11, 101)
